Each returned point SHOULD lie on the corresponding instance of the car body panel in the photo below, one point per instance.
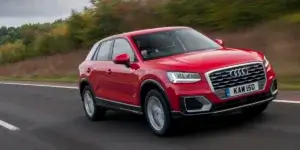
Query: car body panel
(97, 76)
(122, 83)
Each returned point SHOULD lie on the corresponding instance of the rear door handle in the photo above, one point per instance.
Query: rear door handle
(88, 70)
(109, 71)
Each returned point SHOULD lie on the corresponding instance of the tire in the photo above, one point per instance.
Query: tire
(255, 110)
(92, 111)
(155, 102)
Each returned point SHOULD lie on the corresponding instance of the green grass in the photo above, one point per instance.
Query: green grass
(289, 86)
(288, 82)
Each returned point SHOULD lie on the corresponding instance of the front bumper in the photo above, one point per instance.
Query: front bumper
(230, 106)
(213, 104)
(208, 97)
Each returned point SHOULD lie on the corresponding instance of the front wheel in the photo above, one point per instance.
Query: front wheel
(157, 113)
(92, 111)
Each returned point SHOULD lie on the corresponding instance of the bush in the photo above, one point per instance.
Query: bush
(292, 18)
(225, 15)
(56, 41)
(12, 52)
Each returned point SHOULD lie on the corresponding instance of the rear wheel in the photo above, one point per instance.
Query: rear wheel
(92, 111)
(157, 113)
(255, 110)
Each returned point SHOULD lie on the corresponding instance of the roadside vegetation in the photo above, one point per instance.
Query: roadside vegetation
(267, 25)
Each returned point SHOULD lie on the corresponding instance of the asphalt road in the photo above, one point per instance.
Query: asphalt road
(53, 119)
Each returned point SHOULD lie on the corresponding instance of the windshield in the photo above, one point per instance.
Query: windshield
(167, 43)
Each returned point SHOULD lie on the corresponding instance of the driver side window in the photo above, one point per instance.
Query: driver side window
(122, 46)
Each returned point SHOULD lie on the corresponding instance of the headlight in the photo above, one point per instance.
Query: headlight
(266, 62)
(183, 77)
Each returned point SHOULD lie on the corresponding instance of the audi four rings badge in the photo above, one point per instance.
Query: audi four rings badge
(239, 72)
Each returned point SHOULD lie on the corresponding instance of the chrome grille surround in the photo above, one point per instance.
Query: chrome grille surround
(220, 79)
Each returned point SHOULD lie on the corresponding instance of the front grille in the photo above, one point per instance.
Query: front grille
(221, 79)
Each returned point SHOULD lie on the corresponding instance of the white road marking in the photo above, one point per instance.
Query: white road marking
(287, 101)
(8, 126)
(39, 85)
(73, 87)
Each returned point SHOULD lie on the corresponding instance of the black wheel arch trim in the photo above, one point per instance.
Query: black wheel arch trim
(84, 80)
(160, 87)
(80, 82)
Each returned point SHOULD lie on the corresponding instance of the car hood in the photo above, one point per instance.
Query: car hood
(203, 61)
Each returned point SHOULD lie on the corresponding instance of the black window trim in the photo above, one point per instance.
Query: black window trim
(96, 51)
(90, 56)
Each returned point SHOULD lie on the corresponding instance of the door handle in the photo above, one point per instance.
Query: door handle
(88, 70)
(109, 71)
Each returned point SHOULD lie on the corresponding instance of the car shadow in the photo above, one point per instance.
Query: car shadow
(216, 124)
(188, 126)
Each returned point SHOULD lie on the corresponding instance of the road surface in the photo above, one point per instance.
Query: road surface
(52, 118)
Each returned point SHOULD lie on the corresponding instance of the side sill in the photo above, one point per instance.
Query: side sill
(118, 106)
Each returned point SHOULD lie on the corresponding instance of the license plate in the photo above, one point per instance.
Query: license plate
(242, 89)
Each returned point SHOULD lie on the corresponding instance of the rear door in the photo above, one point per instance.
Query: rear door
(86, 66)
(123, 80)
(99, 71)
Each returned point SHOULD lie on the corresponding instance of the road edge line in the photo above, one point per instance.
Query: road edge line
(8, 126)
(286, 101)
(39, 85)
(73, 87)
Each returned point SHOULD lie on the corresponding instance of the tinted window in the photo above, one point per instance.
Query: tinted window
(167, 43)
(103, 51)
(122, 46)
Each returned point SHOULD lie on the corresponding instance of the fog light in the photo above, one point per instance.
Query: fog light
(197, 104)
(274, 88)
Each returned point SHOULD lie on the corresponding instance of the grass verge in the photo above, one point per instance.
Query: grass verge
(289, 82)
(289, 86)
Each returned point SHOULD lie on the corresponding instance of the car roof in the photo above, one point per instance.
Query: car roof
(144, 31)
(151, 30)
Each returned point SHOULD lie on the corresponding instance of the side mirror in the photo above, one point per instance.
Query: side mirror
(219, 41)
(122, 59)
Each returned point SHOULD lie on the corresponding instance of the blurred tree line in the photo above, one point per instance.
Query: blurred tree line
(107, 17)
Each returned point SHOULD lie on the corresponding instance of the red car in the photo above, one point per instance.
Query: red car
(172, 72)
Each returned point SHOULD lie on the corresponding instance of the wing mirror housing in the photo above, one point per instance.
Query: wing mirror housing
(122, 59)
(220, 42)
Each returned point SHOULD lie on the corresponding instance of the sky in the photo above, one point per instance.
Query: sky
(18, 12)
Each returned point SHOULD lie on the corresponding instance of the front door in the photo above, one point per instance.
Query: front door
(122, 79)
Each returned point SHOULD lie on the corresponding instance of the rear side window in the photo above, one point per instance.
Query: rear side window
(92, 52)
(103, 51)
(122, 46)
